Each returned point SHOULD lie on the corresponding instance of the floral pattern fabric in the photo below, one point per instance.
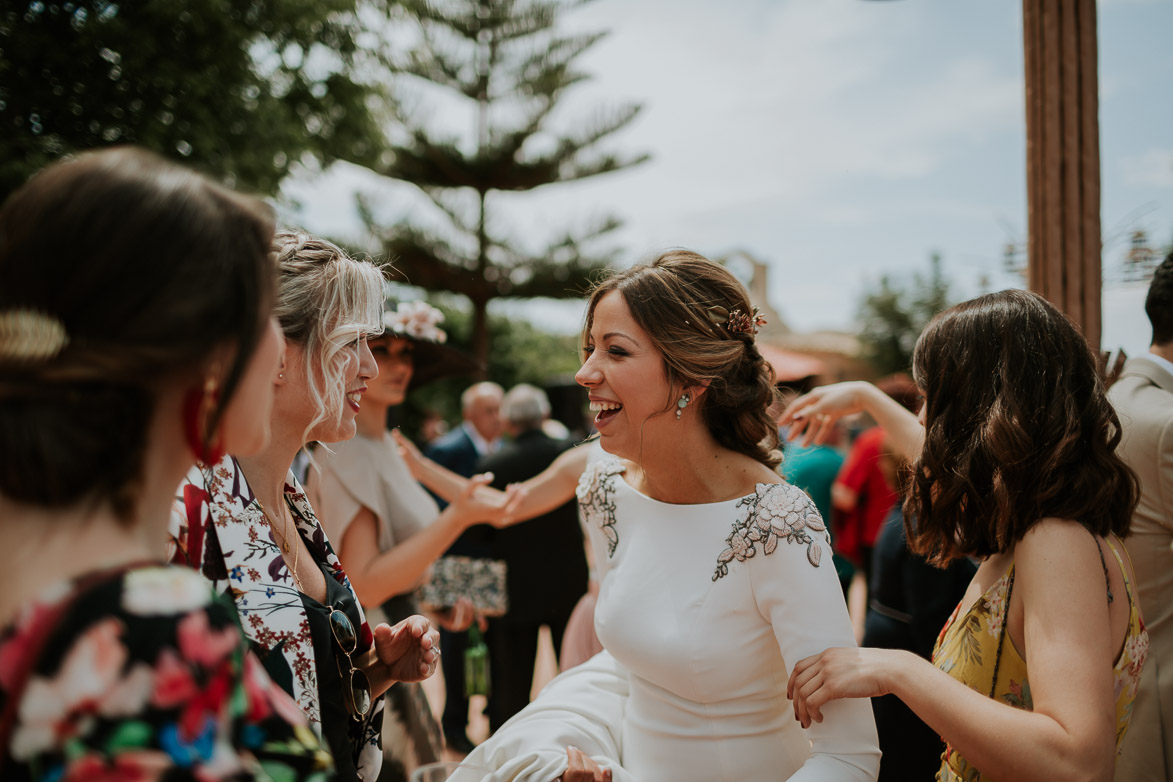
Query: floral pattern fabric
(218, 528)
(774, 512)
(967, 649)
(146, 674)
(596, 499)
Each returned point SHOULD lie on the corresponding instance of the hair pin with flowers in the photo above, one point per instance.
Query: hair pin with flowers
(416, 319)
(737, 322)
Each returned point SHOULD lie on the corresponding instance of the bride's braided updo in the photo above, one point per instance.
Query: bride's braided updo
(701, 320)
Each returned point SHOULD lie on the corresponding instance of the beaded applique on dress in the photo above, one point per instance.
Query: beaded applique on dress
(595, 492)
(775, 511)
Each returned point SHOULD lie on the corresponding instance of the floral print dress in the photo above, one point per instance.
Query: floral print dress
(218, 528)
(967, 649)
(143, 674)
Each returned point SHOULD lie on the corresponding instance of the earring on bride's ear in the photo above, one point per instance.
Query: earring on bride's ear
(682, 403)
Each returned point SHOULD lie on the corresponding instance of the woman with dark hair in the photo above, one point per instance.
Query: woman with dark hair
(1015, 464)
(135, 336)
(245, 523)
(715, 576)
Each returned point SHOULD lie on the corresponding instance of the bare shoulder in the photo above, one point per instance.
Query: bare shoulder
(1052, 536)
(1057, 552)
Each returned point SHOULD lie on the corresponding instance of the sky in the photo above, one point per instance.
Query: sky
(835, 140)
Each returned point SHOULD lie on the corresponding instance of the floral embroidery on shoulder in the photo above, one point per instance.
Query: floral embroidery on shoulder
(596, 492)
(775, 511)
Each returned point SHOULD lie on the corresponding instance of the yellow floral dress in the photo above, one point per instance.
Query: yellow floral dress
(970, 648)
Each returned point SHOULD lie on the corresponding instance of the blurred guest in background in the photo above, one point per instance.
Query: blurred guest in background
(546, 568)
(389, 530)
(863, 496)
(478, 435)
(1143, 397)
(813, 468)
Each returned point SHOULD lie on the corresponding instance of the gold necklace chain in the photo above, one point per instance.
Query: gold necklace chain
(285, 544)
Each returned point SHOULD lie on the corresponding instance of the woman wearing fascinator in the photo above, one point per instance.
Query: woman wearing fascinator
(715, 575)
(389, 530)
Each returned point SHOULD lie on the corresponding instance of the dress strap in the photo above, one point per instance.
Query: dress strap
(1104, 564)
(1003, 633)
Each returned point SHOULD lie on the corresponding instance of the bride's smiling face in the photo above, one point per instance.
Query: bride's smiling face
(626, 377)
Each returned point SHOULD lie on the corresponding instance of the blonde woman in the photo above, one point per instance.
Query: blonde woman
(246, 525)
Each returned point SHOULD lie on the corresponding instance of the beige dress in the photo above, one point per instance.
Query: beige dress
(359, 473)
(1143, 398)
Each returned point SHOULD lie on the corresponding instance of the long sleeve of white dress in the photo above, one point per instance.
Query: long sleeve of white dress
(582, 708)
(804, 606)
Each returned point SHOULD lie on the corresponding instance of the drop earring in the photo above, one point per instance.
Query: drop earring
(682, 403)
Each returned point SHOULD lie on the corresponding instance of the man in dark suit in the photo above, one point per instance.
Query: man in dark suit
(546, 565)
(460, 450)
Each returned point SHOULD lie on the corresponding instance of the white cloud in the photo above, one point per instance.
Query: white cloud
(1153, 168)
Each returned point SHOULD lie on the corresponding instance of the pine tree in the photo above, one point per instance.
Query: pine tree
(892, 318)
(243, 89)
(508, 67)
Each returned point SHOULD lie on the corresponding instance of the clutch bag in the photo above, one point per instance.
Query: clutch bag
(479, 579)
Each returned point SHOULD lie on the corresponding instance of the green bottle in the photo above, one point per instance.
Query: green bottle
(476, 665)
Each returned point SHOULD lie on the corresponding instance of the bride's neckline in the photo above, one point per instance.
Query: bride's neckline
(621, 475)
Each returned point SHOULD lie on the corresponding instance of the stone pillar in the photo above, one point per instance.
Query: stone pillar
(1063, 158)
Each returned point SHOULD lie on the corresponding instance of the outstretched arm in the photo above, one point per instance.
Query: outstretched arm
(812, 415)
(547, 490)
(377, 576)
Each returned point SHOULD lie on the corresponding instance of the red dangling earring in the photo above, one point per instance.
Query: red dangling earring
(197, 407)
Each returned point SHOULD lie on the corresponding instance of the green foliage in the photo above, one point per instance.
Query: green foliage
(242, 89)
(505, 62)
(521, 353)
(892, 318)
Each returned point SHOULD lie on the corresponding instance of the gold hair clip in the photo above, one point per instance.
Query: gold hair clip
(27, 335)
(737, 322)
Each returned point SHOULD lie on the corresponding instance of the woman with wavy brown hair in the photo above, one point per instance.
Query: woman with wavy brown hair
(1014, 463)
(715, 575)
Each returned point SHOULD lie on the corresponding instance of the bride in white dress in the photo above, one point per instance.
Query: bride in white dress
(715, 575)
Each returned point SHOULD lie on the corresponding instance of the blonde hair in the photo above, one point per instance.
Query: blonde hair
(326, 300)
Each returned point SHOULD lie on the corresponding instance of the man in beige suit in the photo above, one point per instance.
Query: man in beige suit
(1143, 397)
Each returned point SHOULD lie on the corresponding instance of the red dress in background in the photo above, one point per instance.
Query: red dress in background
(855, 532)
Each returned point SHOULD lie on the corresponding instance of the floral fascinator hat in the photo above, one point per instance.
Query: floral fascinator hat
(420, 322)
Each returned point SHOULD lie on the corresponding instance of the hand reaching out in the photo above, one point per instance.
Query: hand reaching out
(582, 768)
(407, 652)
(460, 617)
(814, 414)
(479, 502)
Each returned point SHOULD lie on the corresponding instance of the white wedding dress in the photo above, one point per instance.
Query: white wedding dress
(703, 610)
